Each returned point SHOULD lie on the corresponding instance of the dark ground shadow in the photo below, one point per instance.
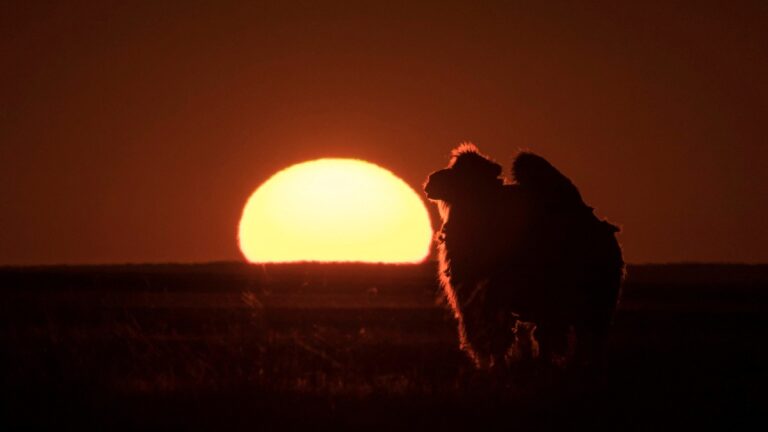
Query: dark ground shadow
(230, 346)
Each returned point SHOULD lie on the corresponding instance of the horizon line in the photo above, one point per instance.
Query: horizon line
(328, 263)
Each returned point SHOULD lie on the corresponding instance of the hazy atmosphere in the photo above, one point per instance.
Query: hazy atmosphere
(136, 132)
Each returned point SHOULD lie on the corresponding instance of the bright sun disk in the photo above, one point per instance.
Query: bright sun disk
(335, 210)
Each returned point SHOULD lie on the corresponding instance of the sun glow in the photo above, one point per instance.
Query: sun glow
(335, 210)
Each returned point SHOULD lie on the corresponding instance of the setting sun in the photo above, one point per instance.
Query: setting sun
(335, 210)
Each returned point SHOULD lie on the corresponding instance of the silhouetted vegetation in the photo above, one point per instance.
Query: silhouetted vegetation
(354, 346)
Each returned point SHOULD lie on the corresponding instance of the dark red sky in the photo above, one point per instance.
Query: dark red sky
(134, 133)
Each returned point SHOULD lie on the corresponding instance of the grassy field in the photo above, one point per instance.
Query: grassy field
(310, 346)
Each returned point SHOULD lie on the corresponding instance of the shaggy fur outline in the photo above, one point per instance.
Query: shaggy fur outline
(530, 250)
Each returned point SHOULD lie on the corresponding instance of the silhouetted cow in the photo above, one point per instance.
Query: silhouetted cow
(530, 250)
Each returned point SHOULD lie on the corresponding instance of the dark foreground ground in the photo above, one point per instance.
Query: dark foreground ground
(360, 347)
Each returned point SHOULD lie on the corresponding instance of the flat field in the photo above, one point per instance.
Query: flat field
(360, 347)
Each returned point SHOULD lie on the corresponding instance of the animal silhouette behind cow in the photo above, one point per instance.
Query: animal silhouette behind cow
(530, 250)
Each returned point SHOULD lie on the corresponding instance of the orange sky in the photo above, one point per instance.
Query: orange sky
(135, 133)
